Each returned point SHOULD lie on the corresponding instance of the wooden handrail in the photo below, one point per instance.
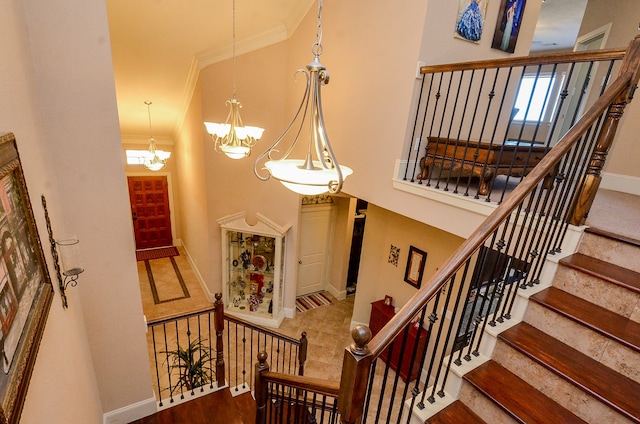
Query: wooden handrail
(271, 333)
(310, 384)
(181, 316)
(400, 320)
(549, 59)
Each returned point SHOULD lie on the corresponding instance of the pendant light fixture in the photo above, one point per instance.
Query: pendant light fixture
(308, 176)
(155, 159)
(233, 138)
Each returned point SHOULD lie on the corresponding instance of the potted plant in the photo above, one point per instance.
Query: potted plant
(193, 364)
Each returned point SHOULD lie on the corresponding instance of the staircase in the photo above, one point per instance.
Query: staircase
(575, 358)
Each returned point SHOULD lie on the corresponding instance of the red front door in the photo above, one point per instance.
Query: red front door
(149, 198)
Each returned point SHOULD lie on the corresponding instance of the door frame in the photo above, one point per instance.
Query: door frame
(176, 240)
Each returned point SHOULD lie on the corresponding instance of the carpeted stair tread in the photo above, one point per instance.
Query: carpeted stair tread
(597, 318)
(613, 236)
(456, 412)
(605, 384)
(517, 397)
(604, 270)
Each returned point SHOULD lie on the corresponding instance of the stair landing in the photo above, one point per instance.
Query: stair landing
(216, 408)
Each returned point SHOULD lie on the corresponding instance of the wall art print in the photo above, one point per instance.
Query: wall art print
(470, 19)
(415, 266)
(507, 30)
(25, 286)
(394, 255)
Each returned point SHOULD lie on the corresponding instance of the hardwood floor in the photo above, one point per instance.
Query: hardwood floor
(216, 408)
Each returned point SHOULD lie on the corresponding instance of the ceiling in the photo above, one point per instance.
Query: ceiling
(558, 24)
(159, 46)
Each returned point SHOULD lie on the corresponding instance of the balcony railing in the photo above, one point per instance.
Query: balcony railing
(189, 356)
(481, 127)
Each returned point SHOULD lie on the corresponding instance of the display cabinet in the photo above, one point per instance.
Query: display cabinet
(253, 269)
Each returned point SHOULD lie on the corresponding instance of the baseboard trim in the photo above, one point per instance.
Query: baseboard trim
(131, 412)
(623, 183)
(338, 294)
(210, 296)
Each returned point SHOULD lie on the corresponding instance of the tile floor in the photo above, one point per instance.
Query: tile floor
(327, 327)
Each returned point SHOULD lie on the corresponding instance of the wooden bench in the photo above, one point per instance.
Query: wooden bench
(480, 159)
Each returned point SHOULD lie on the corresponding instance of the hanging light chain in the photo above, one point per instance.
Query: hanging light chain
(148, 103)
(234, 47)
(316, 49)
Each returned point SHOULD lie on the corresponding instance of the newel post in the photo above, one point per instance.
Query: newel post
(218, 324)
(355, 376)
(588, 189)
(260, 388)
(302, 353)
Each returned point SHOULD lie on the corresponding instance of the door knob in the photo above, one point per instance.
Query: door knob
(300, 262)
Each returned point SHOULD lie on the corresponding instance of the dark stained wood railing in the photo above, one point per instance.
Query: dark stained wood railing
(282, 398)
(246, 340)
(528, 224)
(189, 353)
(471, 119)
(478, 285)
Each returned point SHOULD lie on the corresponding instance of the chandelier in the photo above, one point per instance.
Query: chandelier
(233, 138)
(308, 176)
(154, 159)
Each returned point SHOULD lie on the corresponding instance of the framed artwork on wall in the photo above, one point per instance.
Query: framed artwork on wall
(508, 26)
(415, 266)
(25, 286)
(470, 19)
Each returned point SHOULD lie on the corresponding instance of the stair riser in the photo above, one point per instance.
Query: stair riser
(563, 392)
(612, 251)
(606, 351)
(602, 293)
(484, 407)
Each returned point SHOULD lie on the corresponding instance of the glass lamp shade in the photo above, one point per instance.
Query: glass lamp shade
(155, 159)
(70, 256)
(233, 138)
(235, 152)
(292, 174)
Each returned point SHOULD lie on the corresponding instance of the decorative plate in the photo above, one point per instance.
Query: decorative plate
(259, 262)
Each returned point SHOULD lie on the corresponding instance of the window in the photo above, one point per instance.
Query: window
(136, 157)
(536, 91)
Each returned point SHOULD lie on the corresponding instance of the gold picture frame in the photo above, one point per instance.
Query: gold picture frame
(26, 291)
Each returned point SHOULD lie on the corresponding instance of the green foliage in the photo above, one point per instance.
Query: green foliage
(192, 363)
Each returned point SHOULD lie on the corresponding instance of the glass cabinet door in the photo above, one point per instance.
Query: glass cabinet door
(253, 269)
(251, 273)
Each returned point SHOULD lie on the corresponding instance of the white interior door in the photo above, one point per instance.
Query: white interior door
(316, 235)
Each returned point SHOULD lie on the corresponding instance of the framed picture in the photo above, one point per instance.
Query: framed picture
(470, 20)
(388, 300)
(507, 29)
(415, 266)
(25, 286)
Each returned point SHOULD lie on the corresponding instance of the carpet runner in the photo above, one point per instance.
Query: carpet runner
(311, 301)
(163, 252)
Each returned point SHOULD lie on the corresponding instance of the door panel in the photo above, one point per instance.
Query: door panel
(149, 199)
(316, 228)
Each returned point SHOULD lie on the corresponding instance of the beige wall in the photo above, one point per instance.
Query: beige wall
(231, 184)
(59, 100)
(192, 184)
(377, 276)
(624, 16)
